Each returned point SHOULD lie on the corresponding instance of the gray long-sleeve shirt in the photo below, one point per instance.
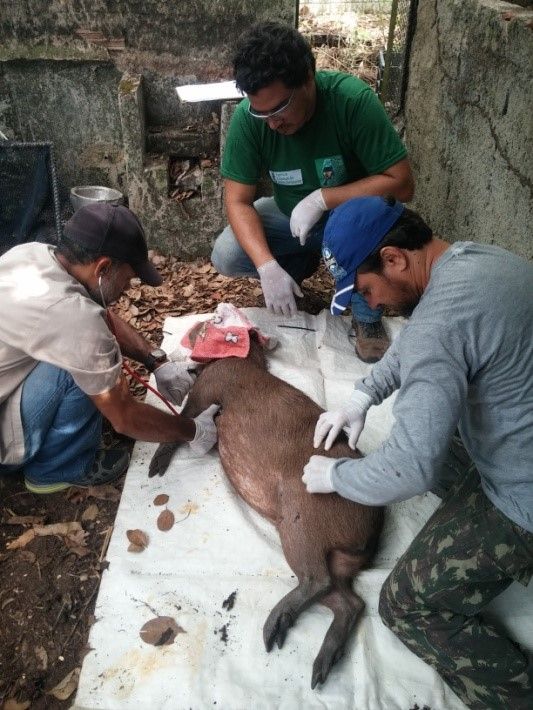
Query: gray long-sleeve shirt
(464, 360)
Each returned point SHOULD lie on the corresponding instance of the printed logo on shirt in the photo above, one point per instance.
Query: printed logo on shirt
(331, 171)
(331, 263)
(286, 177)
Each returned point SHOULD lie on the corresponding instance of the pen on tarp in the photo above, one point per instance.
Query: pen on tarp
(297, 327)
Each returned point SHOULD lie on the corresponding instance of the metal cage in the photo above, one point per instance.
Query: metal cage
(29, 194)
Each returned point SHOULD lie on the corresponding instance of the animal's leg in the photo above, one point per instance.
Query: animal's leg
(307, 558)
(200, 398)
(287, 610)
(202, 395)
(196, 404)
(346, 607)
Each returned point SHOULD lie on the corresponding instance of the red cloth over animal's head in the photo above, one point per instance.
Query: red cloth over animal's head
(226, 334)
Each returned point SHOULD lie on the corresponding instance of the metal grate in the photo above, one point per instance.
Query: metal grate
(394, 59)
(29, 204)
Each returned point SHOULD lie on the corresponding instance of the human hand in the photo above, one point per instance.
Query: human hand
(307, 213)
(278, 288)
(175, 379)
(206, 431)
(317, 474)
(351, 418)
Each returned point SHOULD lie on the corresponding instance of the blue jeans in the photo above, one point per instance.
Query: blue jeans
(62, 427)
(299, 261)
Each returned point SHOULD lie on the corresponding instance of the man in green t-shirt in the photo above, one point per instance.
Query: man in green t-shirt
(322, 138)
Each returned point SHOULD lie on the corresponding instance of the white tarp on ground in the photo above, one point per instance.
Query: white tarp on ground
(221, 546)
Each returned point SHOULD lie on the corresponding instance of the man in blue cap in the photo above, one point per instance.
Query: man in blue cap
(463, 371)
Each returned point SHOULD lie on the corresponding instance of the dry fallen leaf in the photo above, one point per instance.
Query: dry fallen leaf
(104, 492)
(67, 686)
(75, 541)
(72, 533)
(161, 499)
(42, 657)
(27, 556)
(26, 520)
(90, 512)
(161, 631)
(135, 548)
(12, 704)
(138, 538)
(165, 520)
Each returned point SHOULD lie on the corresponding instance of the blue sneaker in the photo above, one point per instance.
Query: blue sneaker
(108, 465)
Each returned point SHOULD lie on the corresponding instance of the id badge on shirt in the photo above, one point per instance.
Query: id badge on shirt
(286, 177)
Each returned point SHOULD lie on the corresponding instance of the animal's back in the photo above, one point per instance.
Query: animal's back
(265, 439)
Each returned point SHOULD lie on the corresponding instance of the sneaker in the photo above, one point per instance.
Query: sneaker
(371, 340)
(108, 465)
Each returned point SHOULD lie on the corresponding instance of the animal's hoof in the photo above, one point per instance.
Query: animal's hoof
(323, 664)
(155, 469)
(275, 629)
(161, 460)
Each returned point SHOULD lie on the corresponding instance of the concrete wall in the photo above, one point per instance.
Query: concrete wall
(76, 106)
(469, 120)
(154, 26)
(61, 66)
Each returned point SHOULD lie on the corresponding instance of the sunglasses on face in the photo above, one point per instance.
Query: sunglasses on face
(264, 115)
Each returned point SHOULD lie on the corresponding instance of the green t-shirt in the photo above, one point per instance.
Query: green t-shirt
(348, 138)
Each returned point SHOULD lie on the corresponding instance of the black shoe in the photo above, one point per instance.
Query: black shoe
(108, 465)
(371, 340)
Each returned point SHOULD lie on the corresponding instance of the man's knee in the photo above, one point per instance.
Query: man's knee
(229, 258)
(218, 257)
(398, 606)
(49, 389)
(225, 253)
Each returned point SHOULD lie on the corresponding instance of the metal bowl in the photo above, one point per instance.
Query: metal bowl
(89, 194)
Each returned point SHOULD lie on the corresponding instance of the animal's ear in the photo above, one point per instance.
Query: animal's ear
(257, 352)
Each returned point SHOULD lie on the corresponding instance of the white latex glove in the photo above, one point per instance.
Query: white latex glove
(174, 380)
(278, 288)
(307, 213)
(206, 431)
(317, 474)
(351, 417)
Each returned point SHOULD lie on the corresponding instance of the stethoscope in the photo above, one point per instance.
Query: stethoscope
(125, 366)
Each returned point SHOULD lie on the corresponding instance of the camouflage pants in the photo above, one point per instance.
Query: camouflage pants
(467, 553)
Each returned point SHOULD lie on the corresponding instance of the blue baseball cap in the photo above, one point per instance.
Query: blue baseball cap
(352, 232)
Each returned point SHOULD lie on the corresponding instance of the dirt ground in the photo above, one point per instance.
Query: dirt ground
(48, 587)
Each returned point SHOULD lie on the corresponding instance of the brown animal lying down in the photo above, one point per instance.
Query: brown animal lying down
(265, 437)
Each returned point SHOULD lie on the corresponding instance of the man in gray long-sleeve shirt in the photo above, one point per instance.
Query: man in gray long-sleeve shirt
(463, 363)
